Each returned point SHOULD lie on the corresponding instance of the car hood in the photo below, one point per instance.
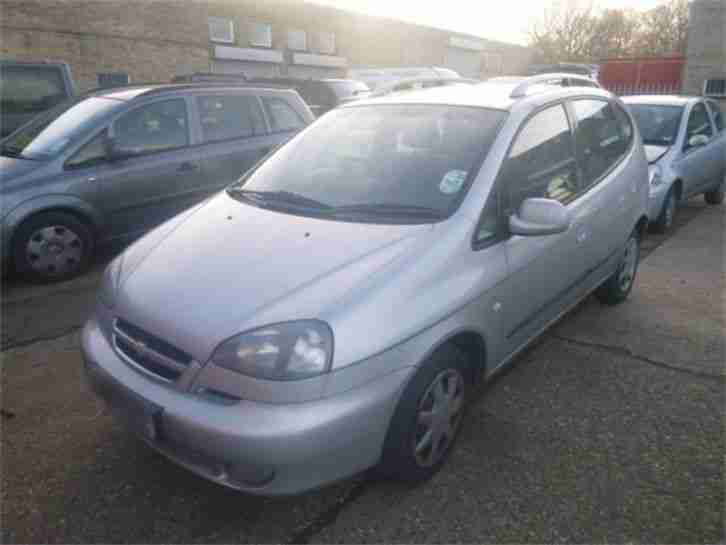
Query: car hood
(12, 169)
(654, 153)
(228, 267)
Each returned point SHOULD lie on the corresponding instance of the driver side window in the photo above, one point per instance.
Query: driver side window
(699, 124)
(541, 162)
(154, 127)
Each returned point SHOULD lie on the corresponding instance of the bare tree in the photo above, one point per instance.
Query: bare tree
(570, 32)
(615, 34)
(564, 33)
(664, 30)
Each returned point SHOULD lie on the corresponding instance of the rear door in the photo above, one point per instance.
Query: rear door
(545, 272)
(604, 136)
(234, 136)
(699, 166)
(152, 183)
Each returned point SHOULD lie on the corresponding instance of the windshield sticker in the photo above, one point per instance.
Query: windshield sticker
(452, 182)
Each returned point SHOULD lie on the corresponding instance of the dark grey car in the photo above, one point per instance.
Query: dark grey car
(116, 163)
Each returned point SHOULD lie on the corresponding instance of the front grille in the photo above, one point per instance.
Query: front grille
(153, 342)
(149, 352)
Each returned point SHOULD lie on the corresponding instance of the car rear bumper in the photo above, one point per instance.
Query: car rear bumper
(262, 448)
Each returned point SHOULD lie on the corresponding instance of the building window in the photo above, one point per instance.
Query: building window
(326, 43)
(297, 40)
(113, 79)
(221, 30)
(260, 35)
(715, 88)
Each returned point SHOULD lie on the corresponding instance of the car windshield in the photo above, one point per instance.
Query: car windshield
(377, 163)
(658, 124)
(51, 133)
(344, 89)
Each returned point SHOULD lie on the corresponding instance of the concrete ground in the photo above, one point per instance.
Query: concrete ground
(610, 429)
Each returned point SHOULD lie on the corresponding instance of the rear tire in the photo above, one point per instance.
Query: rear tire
(51, 247)
(667, 214)
(616, 289)
(428, 418)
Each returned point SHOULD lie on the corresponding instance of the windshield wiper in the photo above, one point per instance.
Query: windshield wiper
(281, 197)
(391, 209)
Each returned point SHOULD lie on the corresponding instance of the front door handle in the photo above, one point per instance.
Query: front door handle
(188, 167)
(582, 235)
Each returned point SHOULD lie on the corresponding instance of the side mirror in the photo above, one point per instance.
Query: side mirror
(114, 152)
(698, 140)
(538, 217)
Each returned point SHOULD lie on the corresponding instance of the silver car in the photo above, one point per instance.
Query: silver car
(334, 310)
(685, 142)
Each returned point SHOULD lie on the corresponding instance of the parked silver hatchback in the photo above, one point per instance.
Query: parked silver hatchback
(685, 142)
(334, 309)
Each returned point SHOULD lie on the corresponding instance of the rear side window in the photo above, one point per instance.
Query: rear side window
(601, 138)
(282, 116)
(228, 117)
(541, 162)
(26, 89)
(717, 115)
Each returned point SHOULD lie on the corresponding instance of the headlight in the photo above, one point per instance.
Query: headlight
(655, 175)
(286, 351)
(109, 283)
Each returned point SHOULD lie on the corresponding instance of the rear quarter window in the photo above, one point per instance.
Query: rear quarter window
(282, 115)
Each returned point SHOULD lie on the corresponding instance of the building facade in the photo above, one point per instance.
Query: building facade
(706, 56)
(155, 40)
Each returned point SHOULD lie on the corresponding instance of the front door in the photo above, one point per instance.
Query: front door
(699, 165)
(151, 183)
(545, 273)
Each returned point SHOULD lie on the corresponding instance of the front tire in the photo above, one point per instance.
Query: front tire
(617, 288)
(52, 246)
(667, 214)
(428, 418)
(716, 196)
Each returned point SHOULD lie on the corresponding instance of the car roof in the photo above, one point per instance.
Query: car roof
(495, 95)
(660, 100)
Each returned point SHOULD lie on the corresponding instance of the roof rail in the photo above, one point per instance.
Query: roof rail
(542, 79)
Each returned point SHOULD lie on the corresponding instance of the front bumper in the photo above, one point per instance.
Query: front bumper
(262, 448)
(656, 199)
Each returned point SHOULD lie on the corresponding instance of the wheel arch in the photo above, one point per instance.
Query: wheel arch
(80, 209)
(470, 342)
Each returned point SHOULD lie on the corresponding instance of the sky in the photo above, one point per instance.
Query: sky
(504, 20)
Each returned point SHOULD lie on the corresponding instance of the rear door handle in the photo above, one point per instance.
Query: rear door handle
(188, 167)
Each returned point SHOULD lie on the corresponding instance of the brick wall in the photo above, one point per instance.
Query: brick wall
(706, 57)
(149, 40)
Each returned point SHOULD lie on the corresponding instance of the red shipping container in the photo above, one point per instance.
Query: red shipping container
(642, 76)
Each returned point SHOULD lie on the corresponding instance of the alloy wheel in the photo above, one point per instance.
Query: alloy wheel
(438, 417)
